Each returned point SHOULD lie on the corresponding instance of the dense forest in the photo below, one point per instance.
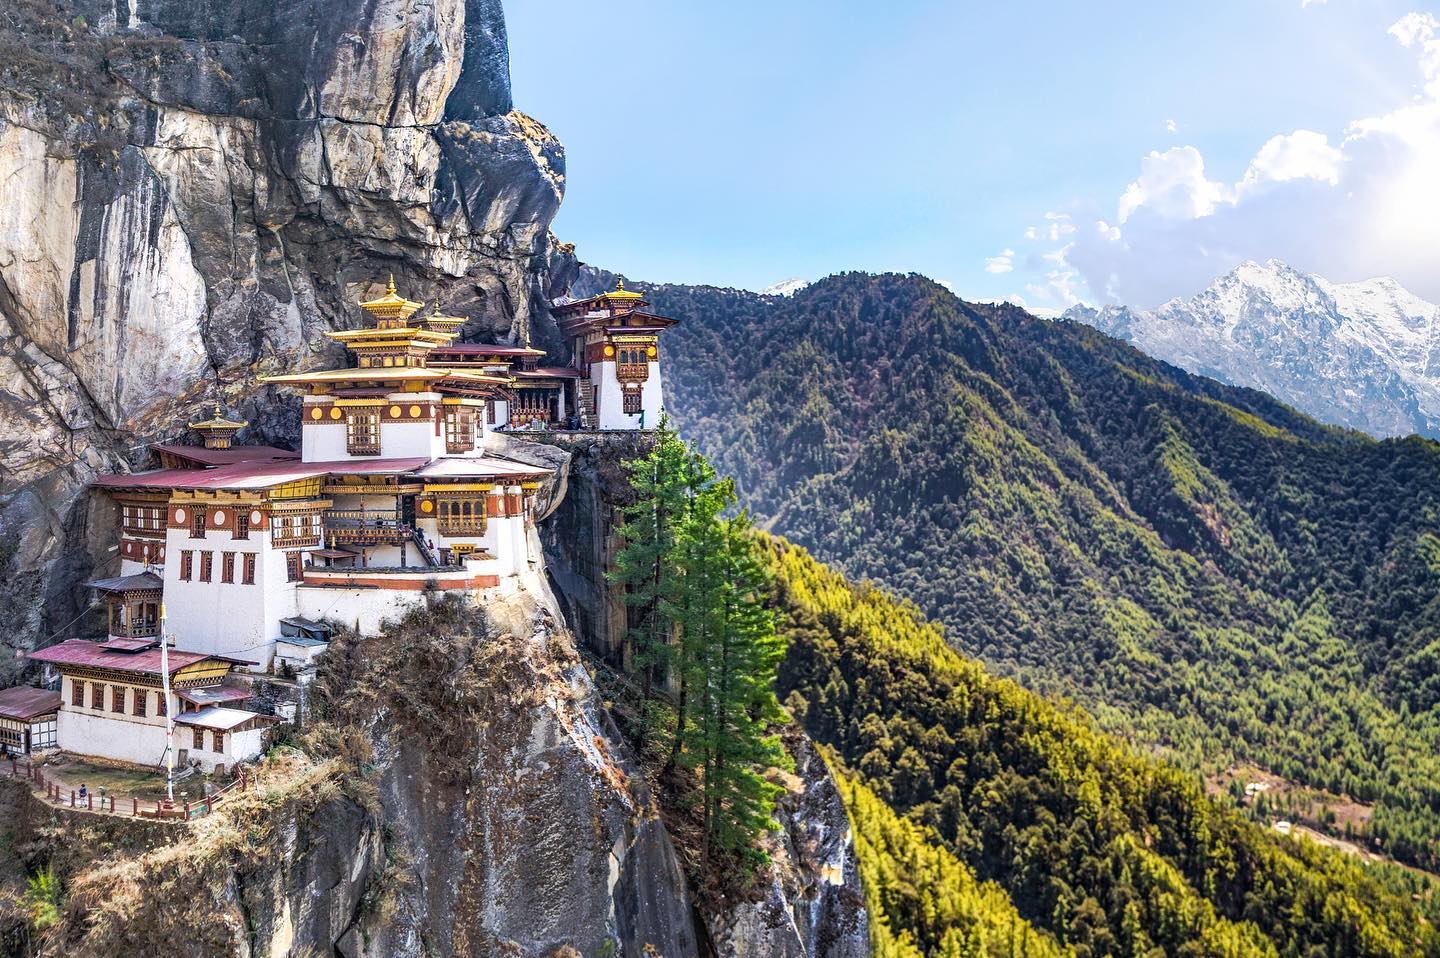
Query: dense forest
(1208, 572)
(990, 821)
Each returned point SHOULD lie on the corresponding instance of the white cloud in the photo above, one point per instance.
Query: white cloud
(1003, 263)
(1170, 126)
(1173, 185)
(1360, 204)
(1306, 3)
(1058, 288)
(1303, 154)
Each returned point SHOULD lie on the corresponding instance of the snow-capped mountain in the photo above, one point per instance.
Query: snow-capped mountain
(1365, 355)
(788, 287)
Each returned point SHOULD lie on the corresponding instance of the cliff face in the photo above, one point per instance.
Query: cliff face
(195, 192)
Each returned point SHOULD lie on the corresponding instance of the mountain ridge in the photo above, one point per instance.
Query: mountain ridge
(1361, 354)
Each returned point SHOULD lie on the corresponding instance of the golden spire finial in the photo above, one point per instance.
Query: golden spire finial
(619, 285)
(391, 288)
(217, 410)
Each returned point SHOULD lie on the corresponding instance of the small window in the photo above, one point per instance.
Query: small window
(242, 524)
(97, 696)
(117, 698)
(77, 693)
(207, 566)
(227, 567)
(141, 699)
(187, 564)
(294, 567)
(197, 739)
(632, 402)
(197, 524)
(362, 433)
(249, 568)
(218, 738)
(162, 707)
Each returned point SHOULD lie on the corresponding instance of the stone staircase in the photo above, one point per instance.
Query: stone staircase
(585, 403)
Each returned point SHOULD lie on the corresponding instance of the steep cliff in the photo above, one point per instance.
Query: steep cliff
(195, 193)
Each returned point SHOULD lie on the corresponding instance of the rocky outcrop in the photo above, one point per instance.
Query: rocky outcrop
(195, 193)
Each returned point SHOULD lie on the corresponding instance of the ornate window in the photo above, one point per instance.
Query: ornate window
(97, 696)
(197, 523)
(249, 569)
(301, 529)
(207, 566)
(77, 693)
(227, 567)
(459, 430)
(294, 567)
(631, 402)
(632, 363)
(362, 434)
(139, 702)
(187, 564)
(197, 739)
(117, 698)
(460, 515)
(242, 524)
(217, 738)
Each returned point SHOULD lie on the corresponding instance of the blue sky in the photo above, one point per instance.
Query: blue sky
(1117, 151)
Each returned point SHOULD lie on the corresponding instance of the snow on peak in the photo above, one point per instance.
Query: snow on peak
(1358, 354)
(788, 287)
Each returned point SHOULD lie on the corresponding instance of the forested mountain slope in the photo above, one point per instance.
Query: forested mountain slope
(1204, 568)
(1029, 832)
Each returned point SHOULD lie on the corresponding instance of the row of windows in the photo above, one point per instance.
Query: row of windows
(227, 566)
(139, 701)
(295, 529)
(459, 430)
(362, 433)
(142, 518)
(200, 522)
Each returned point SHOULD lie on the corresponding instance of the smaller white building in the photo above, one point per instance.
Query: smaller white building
(27, 719)
(113, 706)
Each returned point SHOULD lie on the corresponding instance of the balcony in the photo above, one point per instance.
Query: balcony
(364, 527)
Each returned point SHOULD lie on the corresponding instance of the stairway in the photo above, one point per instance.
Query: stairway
(419, 539)
(585, 403)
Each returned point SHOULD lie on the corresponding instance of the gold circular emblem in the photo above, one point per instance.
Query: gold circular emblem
(650, 351)
(427, 506)
(414, 412)
(317, 413)
(609, 350)
(394, 412)
(334, 412)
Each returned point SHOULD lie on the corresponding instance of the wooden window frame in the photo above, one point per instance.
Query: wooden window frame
(77, 693)
(187, 565)
(459, 429)
(197, 738)
(227, 567)
(242, 524)
(199, 522)
(632, 402)
(138, 705)
(362, 433)
(162, 707)
(207, 566)
(117, 699)
(248, 572)
(97, 697)
(217, 739)
(294, 567)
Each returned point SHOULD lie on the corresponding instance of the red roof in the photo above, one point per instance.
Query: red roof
(23, 703)
(484, 349)
(547, 372)
(224, 457)
(254, 475)
(82, 652)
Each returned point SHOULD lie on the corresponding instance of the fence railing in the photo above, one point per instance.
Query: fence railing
(62, 795)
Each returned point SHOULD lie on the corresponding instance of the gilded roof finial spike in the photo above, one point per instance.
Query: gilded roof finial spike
(217, 410)
(619, 285)
(391, 288)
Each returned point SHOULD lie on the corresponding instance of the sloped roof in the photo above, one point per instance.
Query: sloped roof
(106, 655)
(24, 703)
(224, 457)
(255, 475)
(139, 581)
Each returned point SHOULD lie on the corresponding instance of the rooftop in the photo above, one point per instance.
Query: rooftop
(256, 475)
(480, 467)
(140, 581)
(221, 457)
(82, 653)
(484, 349)
(220, 718)
(24, 703)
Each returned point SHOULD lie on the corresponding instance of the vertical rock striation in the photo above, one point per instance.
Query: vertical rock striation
(195, 192)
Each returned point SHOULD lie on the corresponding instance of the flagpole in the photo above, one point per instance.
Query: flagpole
(169, 719)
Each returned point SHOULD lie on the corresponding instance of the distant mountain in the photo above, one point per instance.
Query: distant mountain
(1364, 355)
(787, 288)
(1211, 573)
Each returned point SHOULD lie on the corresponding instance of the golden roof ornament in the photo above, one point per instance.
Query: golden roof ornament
(620, 292)
(217, 430)
(392, 309)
